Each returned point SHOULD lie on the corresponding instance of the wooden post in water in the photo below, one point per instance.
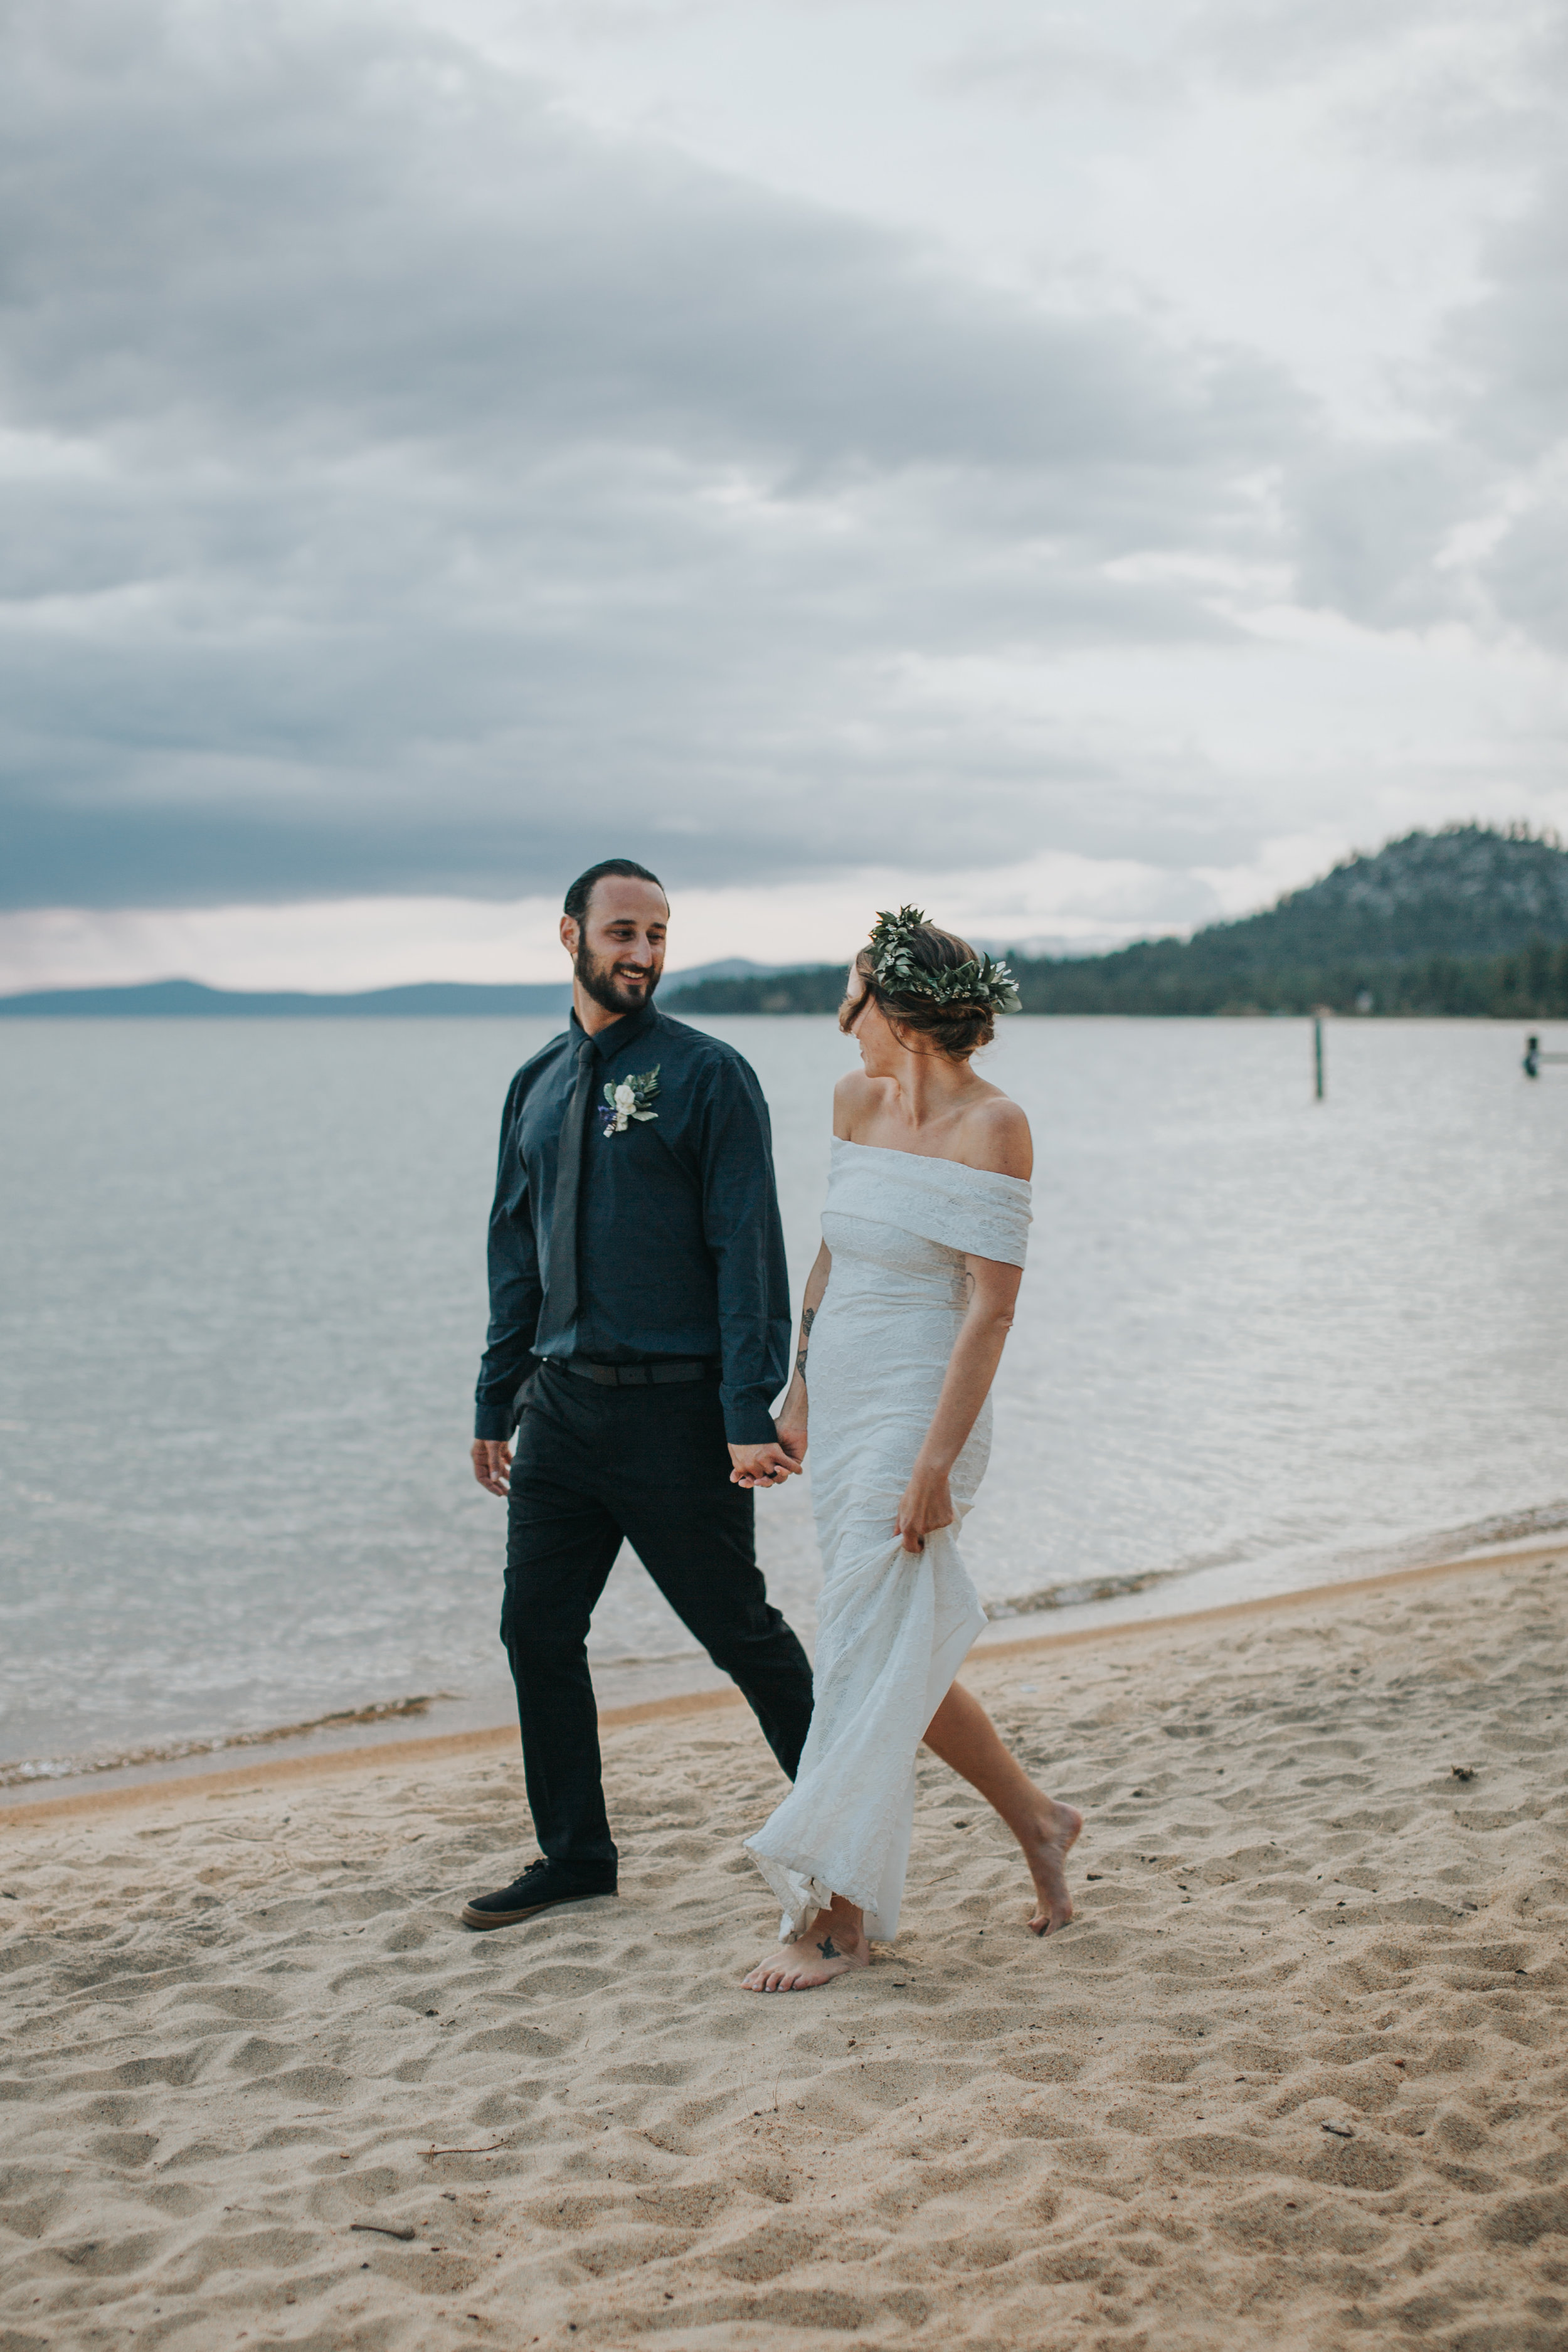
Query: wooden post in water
(1317, 1056)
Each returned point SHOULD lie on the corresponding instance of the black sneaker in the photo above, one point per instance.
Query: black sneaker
(543, 1886)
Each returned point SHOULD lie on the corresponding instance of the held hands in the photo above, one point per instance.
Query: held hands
(492, 1458)
(765, 1465)
(926, 1505)
(770, 1465)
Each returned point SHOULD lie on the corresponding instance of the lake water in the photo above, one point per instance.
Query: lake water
(1263, 1342)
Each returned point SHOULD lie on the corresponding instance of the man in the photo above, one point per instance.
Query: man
(640, 1329)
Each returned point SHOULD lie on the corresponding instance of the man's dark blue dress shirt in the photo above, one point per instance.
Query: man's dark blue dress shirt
(679, 1248)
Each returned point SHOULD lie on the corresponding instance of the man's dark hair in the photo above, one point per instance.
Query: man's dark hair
(582, 890)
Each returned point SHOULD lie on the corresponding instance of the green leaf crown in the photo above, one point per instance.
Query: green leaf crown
(981, 981)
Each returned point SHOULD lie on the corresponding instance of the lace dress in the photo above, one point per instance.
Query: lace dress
(894, 1625)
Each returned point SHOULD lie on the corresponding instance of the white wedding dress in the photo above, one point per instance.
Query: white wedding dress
(894, 1626)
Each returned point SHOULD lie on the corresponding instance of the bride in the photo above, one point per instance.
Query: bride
(906, 1313)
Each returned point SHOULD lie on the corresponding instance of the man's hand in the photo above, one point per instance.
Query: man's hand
(761, 1466)
(492, 1458)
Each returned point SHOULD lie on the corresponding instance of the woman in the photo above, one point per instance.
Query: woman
(906, 1313)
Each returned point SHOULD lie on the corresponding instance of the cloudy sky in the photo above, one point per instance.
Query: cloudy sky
(1083, 467)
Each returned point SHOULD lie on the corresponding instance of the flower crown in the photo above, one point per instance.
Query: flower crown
(893, 967)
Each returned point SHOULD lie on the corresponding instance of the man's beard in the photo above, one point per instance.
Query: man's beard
(597, 975)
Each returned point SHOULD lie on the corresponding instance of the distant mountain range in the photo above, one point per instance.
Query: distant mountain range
(1471, 920)
(437, 999)
(1468, 921)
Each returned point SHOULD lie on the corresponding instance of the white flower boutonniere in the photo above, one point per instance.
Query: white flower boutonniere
(629, 1099)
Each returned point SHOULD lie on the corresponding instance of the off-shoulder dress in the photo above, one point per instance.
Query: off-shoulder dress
(894, 1626)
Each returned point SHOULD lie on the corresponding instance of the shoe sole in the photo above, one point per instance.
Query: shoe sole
(481, 1920)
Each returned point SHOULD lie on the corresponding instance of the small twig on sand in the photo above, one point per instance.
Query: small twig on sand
(383, 2229)
(467, 2151)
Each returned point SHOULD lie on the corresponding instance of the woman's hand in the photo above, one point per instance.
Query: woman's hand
(791, 1423)
(927, 1505)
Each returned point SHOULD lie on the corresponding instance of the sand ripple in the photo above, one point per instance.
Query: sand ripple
(1296, 2077)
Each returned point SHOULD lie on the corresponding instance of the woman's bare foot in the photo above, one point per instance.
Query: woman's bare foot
(1046, 1853)
(833, 1944)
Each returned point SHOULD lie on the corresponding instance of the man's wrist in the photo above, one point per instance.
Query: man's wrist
(748, 1425)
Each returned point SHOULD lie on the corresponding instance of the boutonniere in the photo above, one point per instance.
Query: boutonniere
(629, 1099)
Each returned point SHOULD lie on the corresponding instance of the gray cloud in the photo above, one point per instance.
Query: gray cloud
(1271, 41)
(370, 235)
(1371, 523)
(1508, 350)
(1166, 58)
(417, 489)
(1512, 344)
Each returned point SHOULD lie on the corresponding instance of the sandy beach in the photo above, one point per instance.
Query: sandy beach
(1296, 2075)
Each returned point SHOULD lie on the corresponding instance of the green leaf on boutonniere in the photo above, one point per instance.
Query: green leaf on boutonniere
(629, 1099)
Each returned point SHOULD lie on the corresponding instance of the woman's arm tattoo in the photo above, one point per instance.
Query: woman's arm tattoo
(808, 1316)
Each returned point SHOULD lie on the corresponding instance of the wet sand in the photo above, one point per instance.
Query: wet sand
(1294, 2076)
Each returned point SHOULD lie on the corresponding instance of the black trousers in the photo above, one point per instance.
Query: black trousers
(593, 1465)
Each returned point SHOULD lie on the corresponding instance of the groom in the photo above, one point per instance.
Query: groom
(639, 1327)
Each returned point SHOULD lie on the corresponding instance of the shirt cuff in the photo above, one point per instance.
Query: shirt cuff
(496, 1418)
(747, 1420)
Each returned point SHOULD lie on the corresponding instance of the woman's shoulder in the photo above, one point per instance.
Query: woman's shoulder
(993, 1134)
(855, 1099)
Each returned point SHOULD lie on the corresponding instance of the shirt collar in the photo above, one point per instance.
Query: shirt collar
(613, 1040)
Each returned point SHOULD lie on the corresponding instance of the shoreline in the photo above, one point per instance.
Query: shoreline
(35, 1802)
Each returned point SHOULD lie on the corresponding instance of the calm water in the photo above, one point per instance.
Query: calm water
(1263, 1342)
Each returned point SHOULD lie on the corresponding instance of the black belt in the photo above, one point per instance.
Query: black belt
(632, 1376)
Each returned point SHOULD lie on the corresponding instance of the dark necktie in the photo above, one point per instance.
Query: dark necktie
(561, 1274)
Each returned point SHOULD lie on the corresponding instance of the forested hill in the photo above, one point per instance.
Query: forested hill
(1464, 892)
(1467, 921)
